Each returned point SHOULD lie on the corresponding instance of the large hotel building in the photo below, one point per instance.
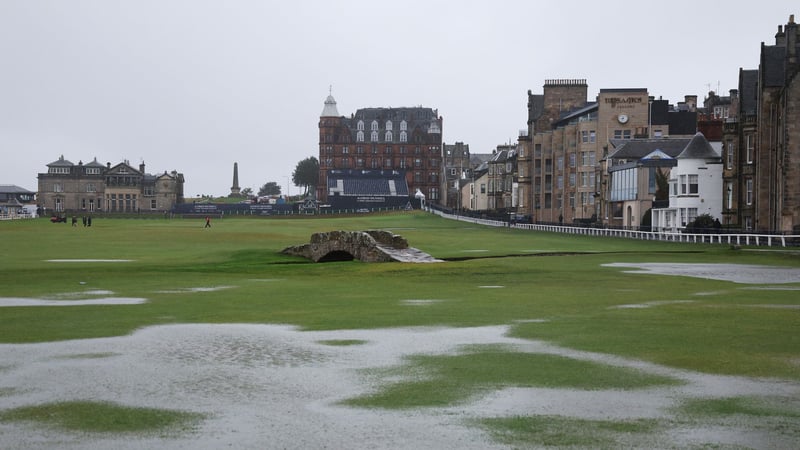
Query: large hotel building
(404, 142)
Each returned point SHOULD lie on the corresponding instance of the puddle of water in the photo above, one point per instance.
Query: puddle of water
(274, 384)
(420, 302)
(88, 260)
(80, 294)
(193, 289)
(650, 304)
(772, 288)
(11, 301)
(737, 273)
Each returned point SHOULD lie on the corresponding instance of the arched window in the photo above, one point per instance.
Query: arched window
(360, 125)
(360, 136)
(374, 125)
(374, 136)
(389, 125)
(388, 137)
(403, 126)
(403, 136)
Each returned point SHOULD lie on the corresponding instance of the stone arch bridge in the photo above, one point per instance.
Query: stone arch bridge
(367, 246)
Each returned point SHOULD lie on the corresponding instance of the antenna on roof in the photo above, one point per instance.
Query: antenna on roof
(330, 89)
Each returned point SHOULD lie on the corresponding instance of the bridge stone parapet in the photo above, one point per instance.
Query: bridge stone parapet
(367, 246)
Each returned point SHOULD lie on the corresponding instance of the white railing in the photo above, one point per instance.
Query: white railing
(768, 240)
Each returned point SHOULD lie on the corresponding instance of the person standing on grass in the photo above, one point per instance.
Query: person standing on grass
(208, 222)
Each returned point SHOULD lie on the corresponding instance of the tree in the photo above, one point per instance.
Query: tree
(247, 192)
(662, 185)
(271, 188)
(704, 223)
(306, 173)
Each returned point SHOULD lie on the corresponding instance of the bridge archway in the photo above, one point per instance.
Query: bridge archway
(336, 255)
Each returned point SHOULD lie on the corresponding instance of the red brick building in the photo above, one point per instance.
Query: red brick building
(403, 142)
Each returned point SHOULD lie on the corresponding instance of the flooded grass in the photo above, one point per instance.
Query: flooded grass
(746, 406)
(100, 417)
(565, 432)
(273, 349)
(453, 379)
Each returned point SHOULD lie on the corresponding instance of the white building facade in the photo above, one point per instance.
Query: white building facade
(695, 187)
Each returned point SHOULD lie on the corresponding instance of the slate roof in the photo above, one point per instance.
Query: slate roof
(698, 148)
(61, 162)
(13, 189)
(639, 148)
(94, 163)
(748, 91)
(571, 115)
(475, 159)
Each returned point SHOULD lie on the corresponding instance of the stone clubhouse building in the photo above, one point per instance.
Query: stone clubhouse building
(94, 187)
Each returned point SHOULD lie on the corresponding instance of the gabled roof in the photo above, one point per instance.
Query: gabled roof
(639, 148)
(127, 168)
(657, 154)
(698, 148)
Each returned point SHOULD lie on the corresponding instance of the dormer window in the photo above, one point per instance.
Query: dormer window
(388, 137)
(403, 136)
(360, 136)
(389, 125)
(403, 126)
(374, 135)
(360, 125)
(374, 125)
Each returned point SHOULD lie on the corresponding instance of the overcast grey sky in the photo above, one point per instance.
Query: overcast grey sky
(196, 85)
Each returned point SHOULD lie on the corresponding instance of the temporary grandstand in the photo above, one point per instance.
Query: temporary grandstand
(367, 189)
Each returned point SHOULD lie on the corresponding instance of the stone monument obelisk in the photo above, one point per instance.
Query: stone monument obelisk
(235, 190)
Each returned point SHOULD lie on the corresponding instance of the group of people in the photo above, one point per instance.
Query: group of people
(87, 221)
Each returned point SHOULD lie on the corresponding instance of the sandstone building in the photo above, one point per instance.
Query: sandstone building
(761, 153)
(563, 172)
(94, 187)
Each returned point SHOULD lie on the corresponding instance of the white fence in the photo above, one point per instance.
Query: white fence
(723, 238)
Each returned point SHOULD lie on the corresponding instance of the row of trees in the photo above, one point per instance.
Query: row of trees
(306, 174)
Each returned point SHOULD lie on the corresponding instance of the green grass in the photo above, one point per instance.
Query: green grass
(545, 276)
(553, 287)
(560, 432)
(98, 417)
(441, 380)
(746, 406)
